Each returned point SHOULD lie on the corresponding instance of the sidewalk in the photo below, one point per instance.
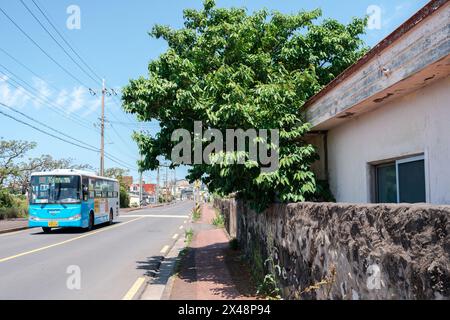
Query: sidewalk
(210, 270)
(13, 225)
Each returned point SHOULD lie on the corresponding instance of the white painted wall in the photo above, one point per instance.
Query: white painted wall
(416, 123)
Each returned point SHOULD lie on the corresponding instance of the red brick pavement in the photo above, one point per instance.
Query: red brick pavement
(204, 274)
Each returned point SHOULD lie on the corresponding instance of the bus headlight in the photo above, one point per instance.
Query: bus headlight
(75, 217)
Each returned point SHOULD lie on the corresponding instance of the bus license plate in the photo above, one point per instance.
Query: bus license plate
(53, 224)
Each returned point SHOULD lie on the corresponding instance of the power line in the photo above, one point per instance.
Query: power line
(28, 69)
(43, 51)
(120, 137)
(47, 126)
(110, 157)
(46, 16)
(67, 43)
(56, 41)
(44, 132)
(53, 106)
(73, 117)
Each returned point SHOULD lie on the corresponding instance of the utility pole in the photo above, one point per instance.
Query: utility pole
(105, 92)
(167, 183)
(140, 182)
(102, 125)
(157, 186)
(140, 188)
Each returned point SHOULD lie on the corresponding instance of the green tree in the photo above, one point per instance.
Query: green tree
(119, 173)
(231, 69)
(10, 152)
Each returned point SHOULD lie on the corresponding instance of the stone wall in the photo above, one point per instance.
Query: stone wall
(348, 251)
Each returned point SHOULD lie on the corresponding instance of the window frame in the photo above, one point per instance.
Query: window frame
(407, 160)
(397, 162)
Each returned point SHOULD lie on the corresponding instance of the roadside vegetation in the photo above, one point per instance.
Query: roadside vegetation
(196, 213)
(219, 220)
(188, 236)
(229, 68)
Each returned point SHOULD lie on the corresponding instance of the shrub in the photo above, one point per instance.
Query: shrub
(124, 198)
(219, 220)
(196, 213)
(12, 206)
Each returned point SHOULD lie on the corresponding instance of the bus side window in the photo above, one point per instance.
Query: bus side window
(85, 189)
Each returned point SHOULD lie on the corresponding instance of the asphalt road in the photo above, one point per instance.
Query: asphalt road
(105, 263)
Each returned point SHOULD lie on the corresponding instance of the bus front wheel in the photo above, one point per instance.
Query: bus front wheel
(46, 229)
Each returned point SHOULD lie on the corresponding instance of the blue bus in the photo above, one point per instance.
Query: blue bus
(71, 198)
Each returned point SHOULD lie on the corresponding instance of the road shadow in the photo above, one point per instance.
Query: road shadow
(39, 231)
(151, 266)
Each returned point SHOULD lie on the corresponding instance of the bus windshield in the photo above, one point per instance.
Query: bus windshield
(55, 189)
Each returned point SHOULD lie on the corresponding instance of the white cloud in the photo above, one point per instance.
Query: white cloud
(43, 90)
(75, 100)
(13, 97)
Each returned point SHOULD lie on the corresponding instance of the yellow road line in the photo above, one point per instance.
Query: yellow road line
(134, 289)
(66, 241)
(165, 249)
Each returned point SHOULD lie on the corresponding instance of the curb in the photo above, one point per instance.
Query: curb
(160, 287)
(13, 230)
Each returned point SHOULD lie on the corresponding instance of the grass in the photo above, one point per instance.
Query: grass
(196, 213)
(219, 220)
(12, 213)
(188, 235)
(15, 207)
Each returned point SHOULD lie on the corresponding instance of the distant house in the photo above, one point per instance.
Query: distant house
(127, 180)
(382, 127)
(149, 188)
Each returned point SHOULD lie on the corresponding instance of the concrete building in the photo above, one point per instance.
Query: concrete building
(382, 127)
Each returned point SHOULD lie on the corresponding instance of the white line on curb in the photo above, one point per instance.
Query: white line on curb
(175, 236)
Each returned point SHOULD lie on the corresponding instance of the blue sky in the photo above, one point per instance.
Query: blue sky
(113, 41)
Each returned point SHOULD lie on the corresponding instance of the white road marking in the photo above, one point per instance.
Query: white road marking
(134, 289)
(175, 236)
(66, 241)
(165, 249)
(152, 216)
(181, 227)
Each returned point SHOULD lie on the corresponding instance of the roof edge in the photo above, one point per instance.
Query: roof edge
(426, 11)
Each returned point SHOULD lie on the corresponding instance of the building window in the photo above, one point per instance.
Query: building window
(401, 181)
